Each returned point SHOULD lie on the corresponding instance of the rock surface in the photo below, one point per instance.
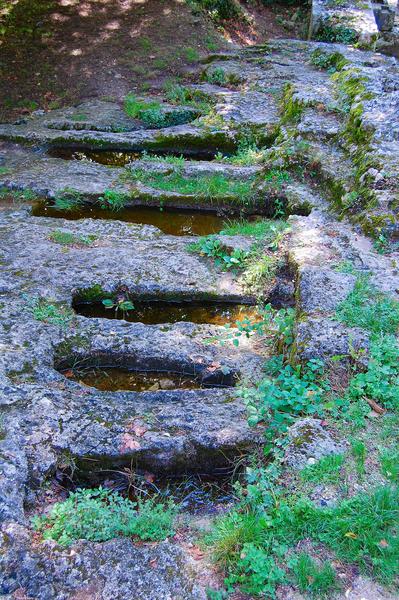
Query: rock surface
(309, 441)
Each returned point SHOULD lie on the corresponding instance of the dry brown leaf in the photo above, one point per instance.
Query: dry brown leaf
(129, 443)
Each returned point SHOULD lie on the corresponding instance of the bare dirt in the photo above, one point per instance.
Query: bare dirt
(58, 52)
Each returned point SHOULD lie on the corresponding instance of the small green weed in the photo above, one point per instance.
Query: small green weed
(359, 452)
(389, 460)
(331, 61)
(177, 161)
(153, 114)
(188, 96)
(191, 54)
(380, 381)
(134, 107)
(247, 154)
(326, 470)
(50, 312)
(121, 303)
(145, 43)
(68, 199)
(17, 195)
(65, 238)
(216, 76)
(113, 200)
(99, 515)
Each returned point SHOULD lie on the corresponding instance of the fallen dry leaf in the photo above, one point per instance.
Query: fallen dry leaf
(129, 443)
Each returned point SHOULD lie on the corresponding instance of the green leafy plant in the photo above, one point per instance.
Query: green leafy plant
(189, 96)
(380, 381)
(331, 32)
(99, 515)
(216, 76)
(225, 258)
(113, 200)
(119, 304)
(134, 107)
(277, 401)
(49, 311)
(256, 572)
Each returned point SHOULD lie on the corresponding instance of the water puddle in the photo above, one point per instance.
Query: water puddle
(114, 379)
(171, 222)
(114, 158)
(154, 312)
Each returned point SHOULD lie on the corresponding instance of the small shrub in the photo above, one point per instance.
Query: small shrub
(216, 76)
(99, 515)
(221, 10)
(340, 34)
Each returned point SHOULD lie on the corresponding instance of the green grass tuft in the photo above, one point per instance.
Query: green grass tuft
(326, 470)
(367, 308)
